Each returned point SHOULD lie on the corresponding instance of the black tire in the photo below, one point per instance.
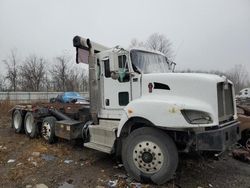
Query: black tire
(48, 129)
(134, 160)
(17, 121)
(245, 139)
(30, 126)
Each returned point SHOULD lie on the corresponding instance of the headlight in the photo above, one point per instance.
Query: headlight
(196, 117)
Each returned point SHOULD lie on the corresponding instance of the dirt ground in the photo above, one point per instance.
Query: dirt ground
(66, 165)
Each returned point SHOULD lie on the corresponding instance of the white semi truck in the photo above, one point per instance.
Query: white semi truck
(140, 110)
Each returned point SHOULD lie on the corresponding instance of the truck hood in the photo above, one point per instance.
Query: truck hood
(189, 76)
(181, 84)
(184, 90)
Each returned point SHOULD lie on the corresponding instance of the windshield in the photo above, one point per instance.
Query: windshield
(148, 62)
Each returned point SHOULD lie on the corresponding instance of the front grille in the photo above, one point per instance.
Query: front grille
(225, 102)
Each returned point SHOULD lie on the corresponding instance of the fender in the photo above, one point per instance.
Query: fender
(164, 111)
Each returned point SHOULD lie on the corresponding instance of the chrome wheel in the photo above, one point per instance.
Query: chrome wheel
(148, 157)
(17, 120)
(29, 123)
(46, 130)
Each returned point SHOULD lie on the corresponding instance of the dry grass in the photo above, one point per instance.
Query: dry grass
(5, 106)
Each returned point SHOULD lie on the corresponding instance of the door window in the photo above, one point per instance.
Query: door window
(123, 68)
(106, 68)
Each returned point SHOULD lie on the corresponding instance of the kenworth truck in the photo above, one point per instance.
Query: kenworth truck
(139, 110)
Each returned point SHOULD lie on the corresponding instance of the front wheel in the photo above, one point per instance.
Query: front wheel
(150, 155)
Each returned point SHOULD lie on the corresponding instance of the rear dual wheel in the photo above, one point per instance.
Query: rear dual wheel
(150, 155)
(30, 125)
(26, 123)
(17, 121)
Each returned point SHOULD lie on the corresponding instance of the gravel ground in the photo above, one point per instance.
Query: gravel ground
(67, 165)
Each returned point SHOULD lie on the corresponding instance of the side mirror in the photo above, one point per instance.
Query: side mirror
(120, 75)
(114, 75)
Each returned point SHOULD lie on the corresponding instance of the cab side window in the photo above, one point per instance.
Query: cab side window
(123, 68)
(107, 68)
(122, 61)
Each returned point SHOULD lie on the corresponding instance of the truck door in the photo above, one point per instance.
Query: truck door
(117, 92)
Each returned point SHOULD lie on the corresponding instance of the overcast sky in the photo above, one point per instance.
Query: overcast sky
(206, 34)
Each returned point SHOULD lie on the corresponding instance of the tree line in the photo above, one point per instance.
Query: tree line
(237, 74)
(35, 73)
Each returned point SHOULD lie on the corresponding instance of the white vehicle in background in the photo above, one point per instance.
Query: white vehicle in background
(142, 111)
(244, 93)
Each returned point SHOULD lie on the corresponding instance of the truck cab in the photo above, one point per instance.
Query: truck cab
(120, 77)
(146, 113)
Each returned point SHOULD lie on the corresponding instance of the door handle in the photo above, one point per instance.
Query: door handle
(135, 79)
(107, 102)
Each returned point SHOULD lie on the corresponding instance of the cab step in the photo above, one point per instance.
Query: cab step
(102, 136)
(98, 147)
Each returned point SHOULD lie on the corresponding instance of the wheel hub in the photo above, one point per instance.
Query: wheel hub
(148, 157)
(46, 131)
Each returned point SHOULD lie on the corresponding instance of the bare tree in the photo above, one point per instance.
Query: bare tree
(239, 76)
(73, 80)
(3, 86)
(47, 82)
(32, 73)
(12, 69)
(84, 77)
(60, 73)
(136, 43)
(65, 78)
(160, 43)
(155, 41)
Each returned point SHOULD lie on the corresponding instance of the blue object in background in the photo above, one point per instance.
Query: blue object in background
(68, 97)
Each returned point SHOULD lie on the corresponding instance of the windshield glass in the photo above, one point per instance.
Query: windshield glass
(148, 62)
